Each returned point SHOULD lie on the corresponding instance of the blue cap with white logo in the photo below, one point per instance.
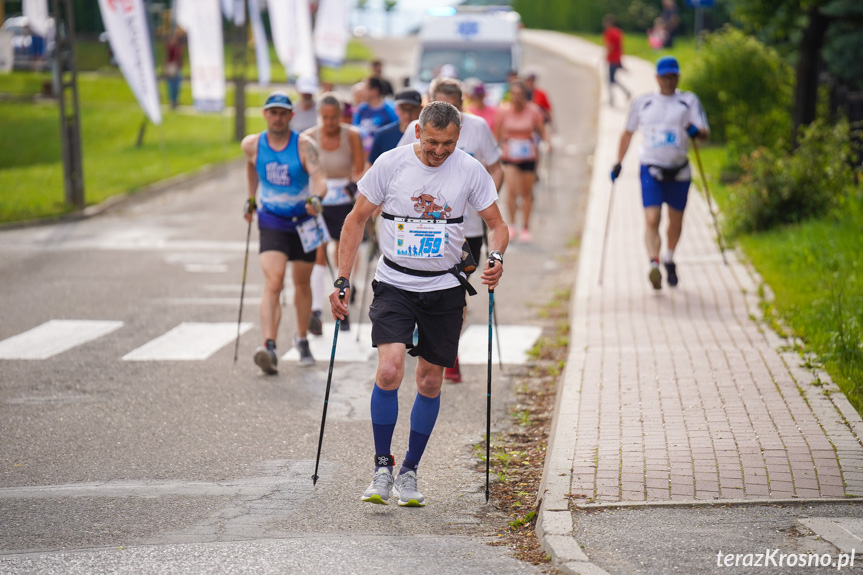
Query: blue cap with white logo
(667, 65)
(278, 100)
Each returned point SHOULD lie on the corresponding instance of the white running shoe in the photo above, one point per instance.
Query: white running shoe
(380, 488)
(405, 487)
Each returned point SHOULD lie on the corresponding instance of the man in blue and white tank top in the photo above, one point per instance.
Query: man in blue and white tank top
(423, 191)
(283, 168)
(668, 119)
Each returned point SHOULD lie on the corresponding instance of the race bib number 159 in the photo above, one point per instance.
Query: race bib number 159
(420, 239)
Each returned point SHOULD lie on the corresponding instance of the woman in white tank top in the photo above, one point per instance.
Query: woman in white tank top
(340, 151)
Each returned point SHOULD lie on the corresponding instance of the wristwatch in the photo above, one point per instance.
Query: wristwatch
(496, 255)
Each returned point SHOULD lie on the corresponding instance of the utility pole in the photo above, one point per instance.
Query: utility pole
(241, 50)
(67, 83)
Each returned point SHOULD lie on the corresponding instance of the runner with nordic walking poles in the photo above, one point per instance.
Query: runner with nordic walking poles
(283, 168)
(668, 119)
(423, 190)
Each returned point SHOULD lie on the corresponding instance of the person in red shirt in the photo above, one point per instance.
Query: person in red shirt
(613, 39)
(538, 97)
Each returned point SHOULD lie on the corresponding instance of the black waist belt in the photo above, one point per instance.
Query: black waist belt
(455, 270)
(665, 174)
(457, 220)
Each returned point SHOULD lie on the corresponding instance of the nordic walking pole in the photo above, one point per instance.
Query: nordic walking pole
(342, 289)
(494, 314)
(249, 210)
(709, 204)
(488, 393)
(497, 339)
(605, 238)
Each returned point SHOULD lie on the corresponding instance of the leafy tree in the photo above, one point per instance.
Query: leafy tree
(819, 28)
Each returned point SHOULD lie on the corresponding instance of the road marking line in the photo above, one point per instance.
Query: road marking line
(54, 337)
(347, 348)
(515, 341)
(188, 341)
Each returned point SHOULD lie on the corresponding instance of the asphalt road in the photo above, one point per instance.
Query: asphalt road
(112, 465)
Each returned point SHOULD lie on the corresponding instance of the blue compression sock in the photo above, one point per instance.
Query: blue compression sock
(385, 413)
(423, 418)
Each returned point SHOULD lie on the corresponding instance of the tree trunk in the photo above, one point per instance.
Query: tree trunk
(808, 66)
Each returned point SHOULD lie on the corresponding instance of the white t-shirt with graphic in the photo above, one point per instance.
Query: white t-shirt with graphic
(663, 121)
(405, 187)
(477, 140)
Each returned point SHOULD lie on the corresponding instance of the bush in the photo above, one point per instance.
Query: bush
(781, 188)
(745, 89)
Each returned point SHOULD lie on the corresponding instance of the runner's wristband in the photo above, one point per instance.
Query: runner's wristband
(249, 206)
(342, 284)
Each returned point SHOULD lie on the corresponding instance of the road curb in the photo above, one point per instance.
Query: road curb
(554, 526)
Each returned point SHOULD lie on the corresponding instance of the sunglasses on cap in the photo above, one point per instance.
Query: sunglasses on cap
(278, 101)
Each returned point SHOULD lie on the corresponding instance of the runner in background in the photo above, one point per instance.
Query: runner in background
(305, 110)
(475, 102)
(668, 119)
(516, 124)
(340, 150)
(374, 113)
(283, 167)
(613, 39)
(386, 86)
(538, 96)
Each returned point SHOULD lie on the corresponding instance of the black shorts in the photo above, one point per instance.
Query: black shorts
(286, 242)
(524, 166)
(437, 315)
(334, 216)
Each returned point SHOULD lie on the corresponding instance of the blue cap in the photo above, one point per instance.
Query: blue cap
(278, 100)
(667, 65)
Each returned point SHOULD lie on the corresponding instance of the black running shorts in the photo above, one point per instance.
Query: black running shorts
(437, 315)
(523, 165)
(334, 216)
(286, 242)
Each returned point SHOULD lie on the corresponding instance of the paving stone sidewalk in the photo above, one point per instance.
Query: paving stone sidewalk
(679, 394)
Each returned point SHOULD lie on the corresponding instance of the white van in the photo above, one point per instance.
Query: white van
(480, 42)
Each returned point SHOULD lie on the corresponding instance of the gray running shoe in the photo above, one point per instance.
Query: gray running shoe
(302, 346)
(267, 360)
(405, 487)
(315, 325)
(381, 487)
(655, 277)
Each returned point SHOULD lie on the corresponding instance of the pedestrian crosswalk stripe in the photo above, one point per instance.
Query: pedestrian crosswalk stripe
(515, 342)
(188, 341)
(54, 337)
(347, 346)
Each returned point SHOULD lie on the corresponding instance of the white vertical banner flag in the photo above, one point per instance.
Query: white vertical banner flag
(126, 24)
(291, 25)
(202, 21)
(37, 15)
(332, 31)
(262, 47)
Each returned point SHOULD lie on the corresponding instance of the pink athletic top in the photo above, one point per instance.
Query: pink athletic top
(516, 132)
